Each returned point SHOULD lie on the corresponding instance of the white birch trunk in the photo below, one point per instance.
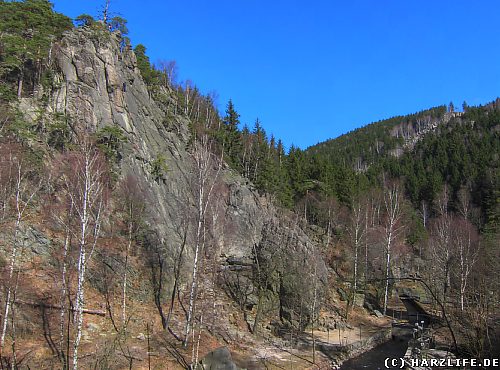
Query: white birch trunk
(79, 305)
(88, 191)
(366, 246)
(20, 85)
(20, 209)
(468, 258)
(125, 275)
(194, 275)
(8, 300)
(387, 270)
(203, 159)
(64, 289)
(314, 311)
(392, 204)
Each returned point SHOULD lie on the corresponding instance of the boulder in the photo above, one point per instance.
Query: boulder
(368, 306)
(342, 294)
(359, 299)
(219, 359)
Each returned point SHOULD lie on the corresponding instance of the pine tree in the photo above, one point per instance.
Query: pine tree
(28, 31)
(84, 20)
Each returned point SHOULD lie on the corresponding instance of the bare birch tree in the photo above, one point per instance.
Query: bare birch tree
(442, 253)
(86, 185)
(392, 228)
(66, 221)
(465, 240)
(16, 167)
(169, 69)
(371, 220)
(206, 177)
(357, 233)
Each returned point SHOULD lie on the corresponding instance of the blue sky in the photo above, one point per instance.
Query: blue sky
(313, 70)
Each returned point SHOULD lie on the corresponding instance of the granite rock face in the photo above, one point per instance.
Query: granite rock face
(98, 84)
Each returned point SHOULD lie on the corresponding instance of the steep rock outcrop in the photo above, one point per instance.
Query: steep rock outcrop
(99, 84)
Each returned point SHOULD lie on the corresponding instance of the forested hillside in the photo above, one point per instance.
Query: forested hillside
(141, 226)
(367, 145)
(460, 152)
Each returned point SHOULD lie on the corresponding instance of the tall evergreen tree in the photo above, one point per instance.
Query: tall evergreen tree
(231, 136)
(149, 74)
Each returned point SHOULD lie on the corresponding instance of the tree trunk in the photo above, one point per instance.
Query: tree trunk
(125, 267)
(63, 293)
(258, 314)
(392, 203)
(13, 257)
(314, 312)
(20, 85)
(387, 270)
(105, 13)
(79, 303)
(10, 290)
(176, 279)
(194, 275)
(366, 246)
(89, 208)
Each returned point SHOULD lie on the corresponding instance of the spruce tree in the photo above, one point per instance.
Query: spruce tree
(231, 136)
(149, 74)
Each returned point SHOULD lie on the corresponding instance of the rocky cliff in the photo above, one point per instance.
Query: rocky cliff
(98, 84)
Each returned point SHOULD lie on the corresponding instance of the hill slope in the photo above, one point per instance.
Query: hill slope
(369, 144)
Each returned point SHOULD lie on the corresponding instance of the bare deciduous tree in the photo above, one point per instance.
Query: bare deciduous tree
(105, 11)
(132, 207)
(63, 215)
(169, 69)
(466, 243)
(357, 232)
(86, 185)
(442, 252)
(207, 169)
(20, 190)
(393, 227)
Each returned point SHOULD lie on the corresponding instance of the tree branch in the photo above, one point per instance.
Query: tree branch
(58, 307)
